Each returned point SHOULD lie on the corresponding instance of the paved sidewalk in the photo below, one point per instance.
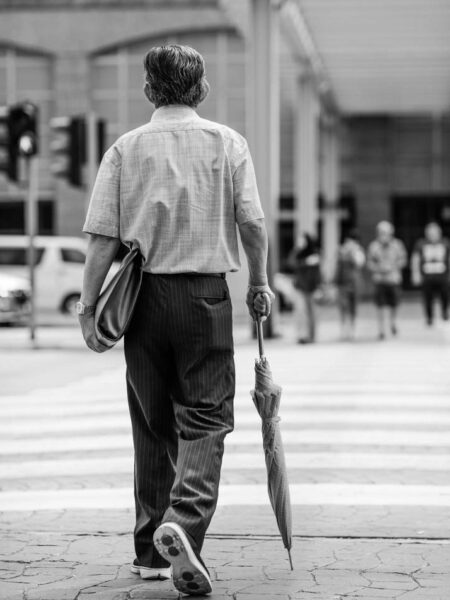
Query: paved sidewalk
(45, 557)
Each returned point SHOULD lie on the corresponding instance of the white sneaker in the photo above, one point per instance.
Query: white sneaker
(151, 573)
(190, 576)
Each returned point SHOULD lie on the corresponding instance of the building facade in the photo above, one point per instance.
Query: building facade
(72, 57)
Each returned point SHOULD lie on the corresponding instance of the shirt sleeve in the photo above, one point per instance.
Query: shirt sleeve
(103, 216)
(247, 204)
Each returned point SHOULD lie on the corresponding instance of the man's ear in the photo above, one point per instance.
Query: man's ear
(147, 92)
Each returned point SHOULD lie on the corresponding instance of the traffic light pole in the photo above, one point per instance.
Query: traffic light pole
(92, 153)
(31, 226)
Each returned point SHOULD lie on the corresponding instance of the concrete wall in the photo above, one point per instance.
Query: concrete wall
(382, 157)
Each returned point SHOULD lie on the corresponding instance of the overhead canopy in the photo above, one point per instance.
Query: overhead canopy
(379, 56)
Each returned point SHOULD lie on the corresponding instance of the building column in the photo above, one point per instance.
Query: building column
(306, 157)
(330, 188)
(263, 116)
(72, 95)
(437, 144)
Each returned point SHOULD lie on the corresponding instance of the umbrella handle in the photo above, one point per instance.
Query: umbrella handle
(259, 335)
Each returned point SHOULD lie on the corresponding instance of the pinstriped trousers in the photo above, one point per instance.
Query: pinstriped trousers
(181, 384)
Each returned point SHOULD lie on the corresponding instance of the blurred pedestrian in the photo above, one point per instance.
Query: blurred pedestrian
(177, 187)
(430, 269)
(386, 258)
(351, 259)
(305, 260)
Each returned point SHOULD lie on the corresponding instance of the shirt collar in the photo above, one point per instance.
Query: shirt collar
(174, 112)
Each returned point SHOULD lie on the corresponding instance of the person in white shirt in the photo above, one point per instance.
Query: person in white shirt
(386, 257)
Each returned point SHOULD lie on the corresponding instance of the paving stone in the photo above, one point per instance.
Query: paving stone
(153, 595)
(37, 575)
(227, 573)
(422, 594)
(377, 593)
(57, 593)
(269, 588)
(257, 596)
(103, 595)
(438, 581)
(11, 590)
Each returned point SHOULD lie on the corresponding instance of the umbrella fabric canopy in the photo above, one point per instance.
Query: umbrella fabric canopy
(267, 396)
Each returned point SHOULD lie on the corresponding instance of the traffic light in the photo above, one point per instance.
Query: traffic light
(69, 148)
(18, 136)
(7, 163)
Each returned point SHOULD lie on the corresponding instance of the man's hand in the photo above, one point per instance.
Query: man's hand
(89, 335)
(259, 301)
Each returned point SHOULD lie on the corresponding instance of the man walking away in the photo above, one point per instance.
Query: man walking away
(351, 259)
(386, 258)
(176, 188)
(430, 269)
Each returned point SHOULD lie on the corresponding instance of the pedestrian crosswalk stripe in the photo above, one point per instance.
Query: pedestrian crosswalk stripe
(70, 403)
(241, 437)
(301, 494)
(82, 432)
(104, 388)
(232, 461)
(42, 425)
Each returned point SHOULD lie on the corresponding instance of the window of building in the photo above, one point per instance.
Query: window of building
(12, 217)
(10, 256)
(117, 79)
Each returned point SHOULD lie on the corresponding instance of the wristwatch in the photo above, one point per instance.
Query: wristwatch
(83, 309)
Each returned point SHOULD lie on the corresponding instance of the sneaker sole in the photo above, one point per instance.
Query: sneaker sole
(148, 574)
(189, 575)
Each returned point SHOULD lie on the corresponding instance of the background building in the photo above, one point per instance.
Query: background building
(364, 93)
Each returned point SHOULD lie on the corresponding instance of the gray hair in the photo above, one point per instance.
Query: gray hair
(175, 75)
(385, 227)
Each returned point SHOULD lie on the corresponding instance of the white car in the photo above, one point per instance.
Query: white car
(58, 272)
(14, 299)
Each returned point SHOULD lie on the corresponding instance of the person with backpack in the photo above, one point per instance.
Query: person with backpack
(430, 270)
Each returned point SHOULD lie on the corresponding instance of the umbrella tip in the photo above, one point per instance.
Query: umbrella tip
(290, 560)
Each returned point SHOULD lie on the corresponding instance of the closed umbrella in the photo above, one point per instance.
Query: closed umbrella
(267, 396)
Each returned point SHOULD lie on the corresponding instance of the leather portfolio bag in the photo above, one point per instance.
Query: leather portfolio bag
(116, 303)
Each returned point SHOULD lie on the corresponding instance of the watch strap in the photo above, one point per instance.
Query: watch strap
(89, 310)
(84, 309)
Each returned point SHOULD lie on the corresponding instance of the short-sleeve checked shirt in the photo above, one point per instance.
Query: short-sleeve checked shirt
(176, 188)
